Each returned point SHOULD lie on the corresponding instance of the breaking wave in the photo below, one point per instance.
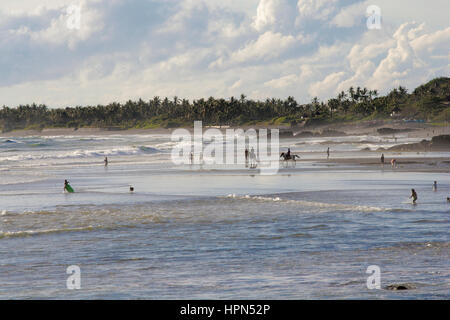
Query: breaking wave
(337, 206)
(83, 153)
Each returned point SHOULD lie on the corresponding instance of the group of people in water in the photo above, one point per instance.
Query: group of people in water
(250, 156)
(414, 193)
(393, 161)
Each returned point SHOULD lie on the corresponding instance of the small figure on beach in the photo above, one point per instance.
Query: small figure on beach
(191, 158)
(328, 153)
(252, 158)
(246, 157)
(382, 159)
(394, 163)
(435, 186)
(67, 187)
(413, 196)
(106, 161)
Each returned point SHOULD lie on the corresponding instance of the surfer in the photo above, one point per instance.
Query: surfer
(413, 195)
(106, 161)
(66, 186)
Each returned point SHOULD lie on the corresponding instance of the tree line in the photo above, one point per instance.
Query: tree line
(429, 100)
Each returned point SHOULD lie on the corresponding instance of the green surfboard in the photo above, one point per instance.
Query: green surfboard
(69, 188)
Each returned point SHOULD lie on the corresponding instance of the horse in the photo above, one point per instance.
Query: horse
(287, 157)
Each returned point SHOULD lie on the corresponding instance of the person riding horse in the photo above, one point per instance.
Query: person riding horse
(287, 156)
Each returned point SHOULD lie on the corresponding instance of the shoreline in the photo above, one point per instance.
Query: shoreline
(404, 164)
(413, 130)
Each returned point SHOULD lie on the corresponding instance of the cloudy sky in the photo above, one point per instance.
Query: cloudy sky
(131, 49)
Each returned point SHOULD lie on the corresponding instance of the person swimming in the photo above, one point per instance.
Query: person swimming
(413, 195)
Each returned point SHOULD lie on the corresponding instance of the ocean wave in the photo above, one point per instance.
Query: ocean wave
(337, 206)
(27, 233)
(9, 141)
(84, 153)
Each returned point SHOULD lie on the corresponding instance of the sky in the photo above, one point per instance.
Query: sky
(88, 52)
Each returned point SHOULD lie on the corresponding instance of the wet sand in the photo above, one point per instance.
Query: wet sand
(416, 164)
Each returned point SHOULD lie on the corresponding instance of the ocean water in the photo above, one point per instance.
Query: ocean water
(188, 232)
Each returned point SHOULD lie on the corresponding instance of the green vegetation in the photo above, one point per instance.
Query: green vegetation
(429, 102)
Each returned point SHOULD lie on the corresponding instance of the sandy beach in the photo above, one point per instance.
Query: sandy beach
(309, 230)
(404, 164)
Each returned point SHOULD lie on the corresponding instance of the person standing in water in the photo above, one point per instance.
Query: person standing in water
(328, 153)
(252, 158)
(435, 186)
(106, 161)
(246, 157)
(413, 196)
(394, 163)
(382, 159)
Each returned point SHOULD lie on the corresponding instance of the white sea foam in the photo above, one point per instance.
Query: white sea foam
(336, 206)
(25, 233)
(83, 153)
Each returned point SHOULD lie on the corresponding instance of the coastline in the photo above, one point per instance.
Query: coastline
(413, 130)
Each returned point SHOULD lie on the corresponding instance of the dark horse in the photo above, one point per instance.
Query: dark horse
(287, 157)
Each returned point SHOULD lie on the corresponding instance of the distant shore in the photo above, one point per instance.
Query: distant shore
(413, 130)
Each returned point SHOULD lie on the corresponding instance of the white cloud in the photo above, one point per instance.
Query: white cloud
(315, 9)
(197, 48)
(350, 16)
(268, 46)
(282, 82)
(327, 87)
(275, 15)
